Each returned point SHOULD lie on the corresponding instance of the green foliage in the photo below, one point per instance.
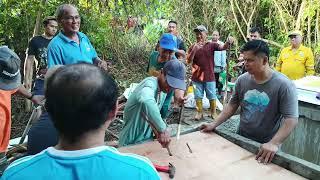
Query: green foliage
(105, 24)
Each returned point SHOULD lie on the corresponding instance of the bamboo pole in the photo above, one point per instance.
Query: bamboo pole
(281, 16)
(300, 14)
(235, 18)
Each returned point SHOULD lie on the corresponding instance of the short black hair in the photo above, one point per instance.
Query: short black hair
(255, 29)
(172, 21)
(257, 46)
(46, 20)
(79, 98)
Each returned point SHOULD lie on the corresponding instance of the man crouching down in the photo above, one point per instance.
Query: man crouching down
(82, 102)
(142, 112)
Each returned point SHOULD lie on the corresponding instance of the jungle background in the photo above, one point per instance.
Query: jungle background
(124, 32)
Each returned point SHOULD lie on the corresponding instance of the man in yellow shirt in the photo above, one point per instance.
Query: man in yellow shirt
(296, 61)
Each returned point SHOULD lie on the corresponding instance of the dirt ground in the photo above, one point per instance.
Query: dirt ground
(19, 116)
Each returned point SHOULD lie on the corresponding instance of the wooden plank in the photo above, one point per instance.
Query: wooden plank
(212, 157)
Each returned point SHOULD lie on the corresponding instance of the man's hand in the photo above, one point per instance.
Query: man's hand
(267, 152)
(179, 97)
(231, 40)
(27, 85)
(103, 65)
(207, 128)
(164, 138)
(38, 99)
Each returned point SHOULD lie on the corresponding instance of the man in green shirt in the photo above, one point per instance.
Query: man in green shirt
(157, 60)
(142, 111)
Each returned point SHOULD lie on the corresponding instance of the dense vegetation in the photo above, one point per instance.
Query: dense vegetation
(105, 23)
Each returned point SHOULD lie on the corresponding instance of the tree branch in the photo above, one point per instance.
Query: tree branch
(281, 16)
(235, 18)
(300, 14)
(252, 13)
(244, 19)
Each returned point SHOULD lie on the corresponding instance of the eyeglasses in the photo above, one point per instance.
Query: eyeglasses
(72, 18)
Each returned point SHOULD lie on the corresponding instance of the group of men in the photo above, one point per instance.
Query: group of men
(80, 99)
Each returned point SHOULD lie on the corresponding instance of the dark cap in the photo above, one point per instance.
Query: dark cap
(10, 77)
(175, 72)
(200, 28)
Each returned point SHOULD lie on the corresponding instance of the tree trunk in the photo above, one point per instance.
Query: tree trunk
(38, 21)
(317, 34)
(309, 30)
(300, 14)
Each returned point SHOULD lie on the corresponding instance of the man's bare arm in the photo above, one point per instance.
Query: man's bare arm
(37, 99)
(269, 149)
(226, 113)
(284, 131)
(191, 53)
(227, 44)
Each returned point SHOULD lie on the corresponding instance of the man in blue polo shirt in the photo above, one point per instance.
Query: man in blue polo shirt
(71, 46)
(81, 118)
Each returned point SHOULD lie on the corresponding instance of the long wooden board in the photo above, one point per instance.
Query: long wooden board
(212, 157)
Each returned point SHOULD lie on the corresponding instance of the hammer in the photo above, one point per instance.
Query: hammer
(170, 169)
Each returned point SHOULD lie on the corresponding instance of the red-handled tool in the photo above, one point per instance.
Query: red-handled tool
(170, 169)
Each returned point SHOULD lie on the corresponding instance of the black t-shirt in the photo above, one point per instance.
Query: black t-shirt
(38, 47)
(180, 44)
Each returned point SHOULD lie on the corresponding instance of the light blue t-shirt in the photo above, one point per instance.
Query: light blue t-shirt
(63, 51)
(219, 59)
(95, 164)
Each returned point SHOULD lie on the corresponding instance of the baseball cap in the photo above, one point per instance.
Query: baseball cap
(295, 33)
(10, 77)
(175, 72)
(200, 28)
(168, 41)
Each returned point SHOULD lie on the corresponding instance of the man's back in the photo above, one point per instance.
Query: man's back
(96, 163)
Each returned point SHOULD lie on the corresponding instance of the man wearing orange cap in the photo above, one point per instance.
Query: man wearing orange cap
(296, 61)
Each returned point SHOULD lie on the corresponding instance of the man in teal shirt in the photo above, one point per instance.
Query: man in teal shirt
(71, 46)
(146, 101)
(157, 60)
